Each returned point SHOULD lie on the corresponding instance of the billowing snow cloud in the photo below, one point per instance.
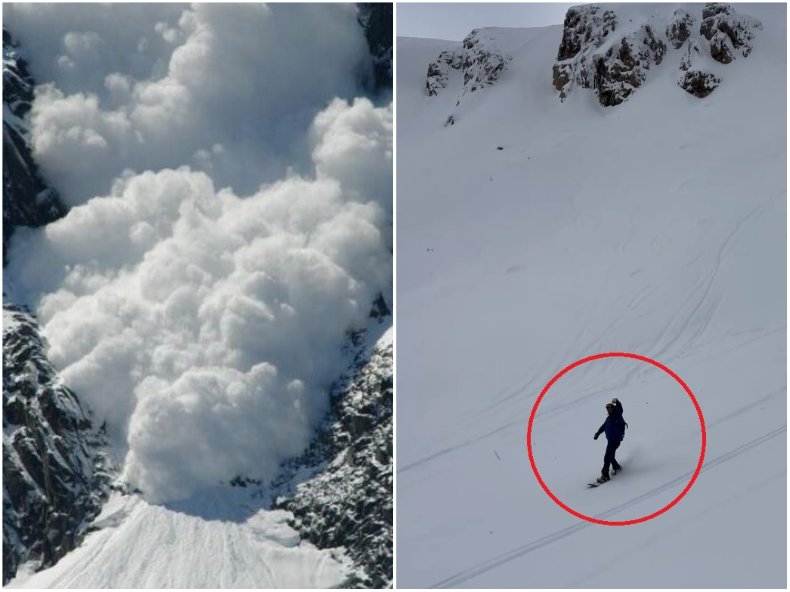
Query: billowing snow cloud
(209, 323)
(204, 322)
(228, 89)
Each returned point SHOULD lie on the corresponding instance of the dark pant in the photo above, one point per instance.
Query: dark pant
(608, 458)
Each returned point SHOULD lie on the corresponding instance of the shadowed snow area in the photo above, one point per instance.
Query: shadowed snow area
(534, 232)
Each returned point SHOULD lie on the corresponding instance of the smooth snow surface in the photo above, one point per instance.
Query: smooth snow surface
(655, 227)
(212, 541)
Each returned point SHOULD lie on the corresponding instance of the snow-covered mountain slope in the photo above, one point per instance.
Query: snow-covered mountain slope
(215, 540)
(347, 501)
(27, 200)
(330, 527)
(534, 232)
(56, 472)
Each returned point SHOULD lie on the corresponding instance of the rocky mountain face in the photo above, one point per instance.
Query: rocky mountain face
(55, 471)
(55, 475)
(27, 200)
(483, 63)
(439, 71)
(613, 57)
(609, 50)
(346, 499)
(480, 61)
(376, 19)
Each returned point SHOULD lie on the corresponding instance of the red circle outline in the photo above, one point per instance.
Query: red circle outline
(567, 369)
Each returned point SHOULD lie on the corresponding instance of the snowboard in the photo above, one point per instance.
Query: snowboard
(596, 484)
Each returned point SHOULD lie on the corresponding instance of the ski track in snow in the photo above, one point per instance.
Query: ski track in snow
(229, 544)
(584, 581)
(571, 404)
(670, 346)
(472, 572)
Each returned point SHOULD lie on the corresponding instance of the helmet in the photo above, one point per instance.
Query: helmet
(609, 406)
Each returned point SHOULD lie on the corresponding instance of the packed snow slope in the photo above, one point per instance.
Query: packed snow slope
(214, 540)
(533, 232)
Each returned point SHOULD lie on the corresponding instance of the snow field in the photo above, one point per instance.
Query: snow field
(209, 543)
(655, 227)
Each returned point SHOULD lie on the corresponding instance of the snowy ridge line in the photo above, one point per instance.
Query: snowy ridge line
(472, 572)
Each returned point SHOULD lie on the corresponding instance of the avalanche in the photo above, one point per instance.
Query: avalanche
(222, 161)
(535, 231)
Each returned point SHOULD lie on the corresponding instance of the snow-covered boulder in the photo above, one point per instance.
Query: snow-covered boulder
(727, 32)
(590, 55)
(679, 28)
(623, 68)
(584, 30)
(483, 62)
(480, 60)
(723, 34)
(439, 70)
(694, 80)
(585, 26)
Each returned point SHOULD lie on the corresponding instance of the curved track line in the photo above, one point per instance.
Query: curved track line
(488, 565)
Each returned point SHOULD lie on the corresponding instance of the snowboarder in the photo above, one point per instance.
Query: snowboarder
(614, 427)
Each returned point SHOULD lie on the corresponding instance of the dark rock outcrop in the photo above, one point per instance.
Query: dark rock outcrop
(728, 33)
(596, 55)
(695, 81)
(679, 28)
(584, 26)
(55, 469)
(616, 72)
(55, 473)
(482, 64)
(585, 29)
(699, 83)
(480, 61)
(348, 501)
(376, 19)
(623, 68)
(725, 34)
(439, 69)
(27, 199)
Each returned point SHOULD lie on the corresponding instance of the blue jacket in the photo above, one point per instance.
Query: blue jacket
(614, 426)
